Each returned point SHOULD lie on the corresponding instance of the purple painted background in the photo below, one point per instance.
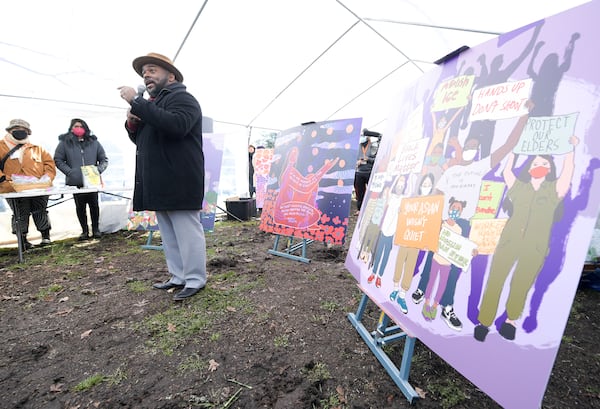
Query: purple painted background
(514, 373)
(212, 145)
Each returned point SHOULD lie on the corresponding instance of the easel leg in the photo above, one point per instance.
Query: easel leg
(382, 336)
(291, 248)
(149, 245)
(20, 242)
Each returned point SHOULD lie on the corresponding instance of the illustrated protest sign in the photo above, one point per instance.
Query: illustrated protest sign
(510, 129)
(310, 181)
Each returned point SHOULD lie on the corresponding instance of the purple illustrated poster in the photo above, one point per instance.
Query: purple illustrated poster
(483, 201)
(310, 181)
(212, 145)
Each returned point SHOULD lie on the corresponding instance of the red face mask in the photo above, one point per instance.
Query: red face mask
(78, 132)
(539, 172)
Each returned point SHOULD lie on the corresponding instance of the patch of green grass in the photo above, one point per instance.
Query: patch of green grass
(173, 327)
(332, 402)
(330, 306)
(319, 319)
(192, 363)
(389, 348)
(137, 287)
(215, 336)
(450, 393)
(75, 275)
(593, 390)
(89, 382)
(63, 254)
(117, 377)
(227, 276)
(316, 372)
(281, 341)
(47, 291)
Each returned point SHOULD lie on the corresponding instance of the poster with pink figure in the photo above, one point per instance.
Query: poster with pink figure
(509, 183)
(310, 181)
(261, 160)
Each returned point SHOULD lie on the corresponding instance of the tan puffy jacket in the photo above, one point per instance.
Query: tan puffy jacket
(36, 162)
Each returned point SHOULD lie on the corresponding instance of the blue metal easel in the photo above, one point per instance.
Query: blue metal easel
(291, 248)
(149, 245)
(383, 335)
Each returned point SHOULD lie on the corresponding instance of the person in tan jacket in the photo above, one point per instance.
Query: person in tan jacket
(20, 157)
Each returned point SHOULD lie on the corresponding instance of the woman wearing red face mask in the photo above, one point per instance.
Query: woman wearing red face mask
(533, 203)
(80, 147)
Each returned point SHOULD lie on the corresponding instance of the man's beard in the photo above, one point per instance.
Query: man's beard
(158, 86)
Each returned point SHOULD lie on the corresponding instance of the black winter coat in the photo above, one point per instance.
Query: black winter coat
(169, 165)
(71, 154)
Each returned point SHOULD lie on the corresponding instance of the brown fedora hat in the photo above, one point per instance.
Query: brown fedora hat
(157, 59)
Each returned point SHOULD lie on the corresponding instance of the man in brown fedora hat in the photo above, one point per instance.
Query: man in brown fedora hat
(18, 156)
(169, 175)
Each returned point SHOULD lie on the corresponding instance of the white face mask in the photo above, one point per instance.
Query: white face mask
(469, 154)
(425, 190)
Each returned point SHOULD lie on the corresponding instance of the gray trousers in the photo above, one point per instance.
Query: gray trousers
(184, 245)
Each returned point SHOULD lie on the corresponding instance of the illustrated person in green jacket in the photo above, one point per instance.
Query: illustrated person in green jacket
(533, 202)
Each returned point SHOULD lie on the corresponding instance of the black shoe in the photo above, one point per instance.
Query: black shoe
(27, 245)
(83, 236)
(187, 292)
(450, 318)
(97, 235)
(508, 331)
(167, 285)
(418, 296)
(480, 332)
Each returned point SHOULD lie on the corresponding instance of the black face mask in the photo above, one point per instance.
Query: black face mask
(20, 134)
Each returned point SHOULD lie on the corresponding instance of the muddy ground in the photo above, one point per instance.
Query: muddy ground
(81, 327)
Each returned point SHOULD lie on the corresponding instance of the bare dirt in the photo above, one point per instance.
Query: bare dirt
(81, 327)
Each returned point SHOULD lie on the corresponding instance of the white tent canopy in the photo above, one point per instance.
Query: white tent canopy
(260, 64)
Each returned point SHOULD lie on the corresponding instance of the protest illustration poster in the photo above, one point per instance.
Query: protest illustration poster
(510, 128)
(310, 182)
(212, 145)
(261, 160)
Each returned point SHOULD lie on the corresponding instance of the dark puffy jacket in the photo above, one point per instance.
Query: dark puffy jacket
(71, 154)
(169, 165)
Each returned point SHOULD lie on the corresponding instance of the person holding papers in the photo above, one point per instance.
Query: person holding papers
(21, 161)
(79, 153)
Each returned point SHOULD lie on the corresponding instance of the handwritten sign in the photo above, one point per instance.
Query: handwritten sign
(490, 195)
(545, 135)
(377, 182)
(419, 222)
(409, 157)
(453, 93)
(455, 248)
(501, 101)
(486, 233)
